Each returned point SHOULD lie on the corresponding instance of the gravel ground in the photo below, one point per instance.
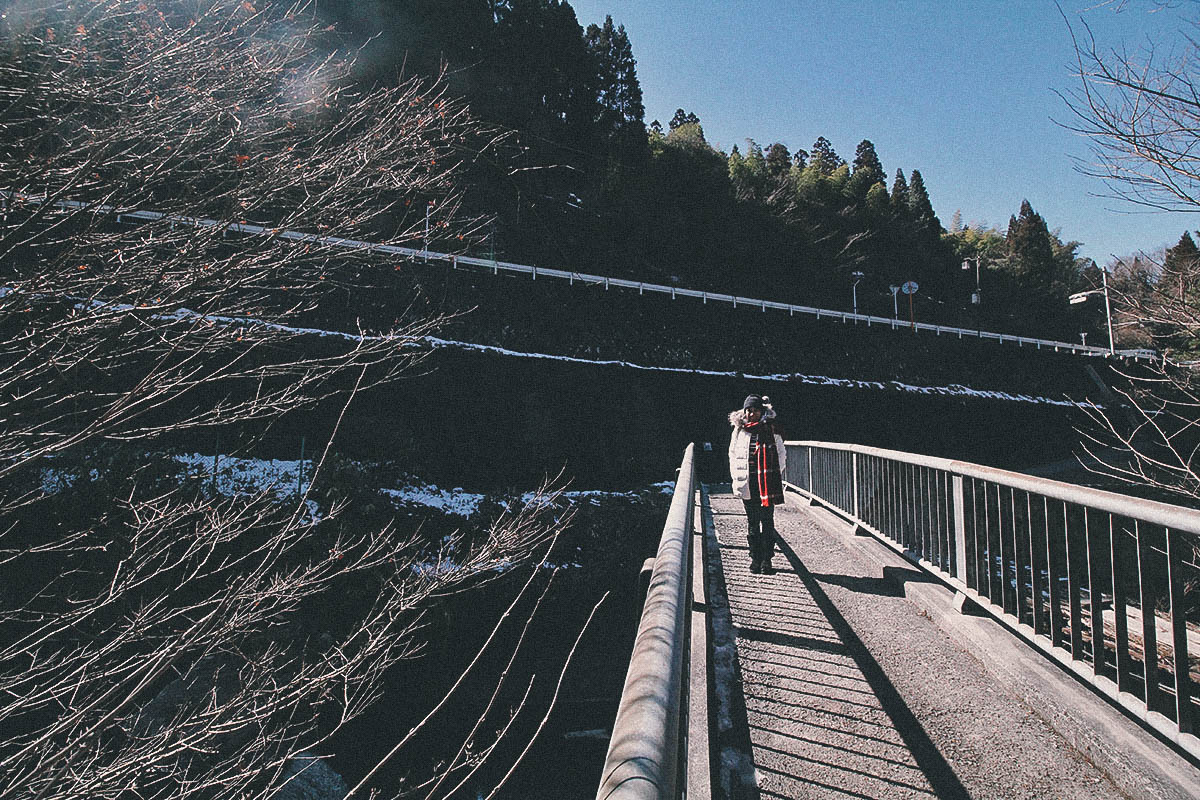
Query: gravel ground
(850, 690)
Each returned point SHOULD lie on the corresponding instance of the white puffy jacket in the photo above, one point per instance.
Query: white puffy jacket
(739, 452)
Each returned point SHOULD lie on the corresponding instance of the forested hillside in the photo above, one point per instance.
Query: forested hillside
(583, 180)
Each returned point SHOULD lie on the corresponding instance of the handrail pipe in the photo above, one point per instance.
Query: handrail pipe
(649, 734)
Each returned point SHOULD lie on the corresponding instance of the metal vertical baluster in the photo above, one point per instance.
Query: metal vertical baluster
(958, 499)
(988, 563)
(1149, 629)
(1009, 595)
(854, 476)
(1054, 568)
(1177, 550)
(926, 516)
(910, 497)
(1096, 549)
(1021, 556)
(1121, 625)
(1036, 587)
(1073, 586)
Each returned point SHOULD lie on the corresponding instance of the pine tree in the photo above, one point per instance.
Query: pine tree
(920, 206)
(778, 160)
(900, 192)
(1030, 254)
(619, 94)
(1181, 267)
(1184, 255)
(867, 162)
(683, 118)
(823, 157)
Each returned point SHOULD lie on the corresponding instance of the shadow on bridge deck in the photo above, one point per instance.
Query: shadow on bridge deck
(840, 686)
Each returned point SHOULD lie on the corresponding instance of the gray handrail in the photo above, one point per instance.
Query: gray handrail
(1165, 514)
(643, 760)
(495, 266)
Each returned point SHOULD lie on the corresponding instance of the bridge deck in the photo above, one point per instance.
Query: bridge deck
(850, 686)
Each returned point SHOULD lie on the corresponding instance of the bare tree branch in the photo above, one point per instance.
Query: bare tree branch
(158, 639)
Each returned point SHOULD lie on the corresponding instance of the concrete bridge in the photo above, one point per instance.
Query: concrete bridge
(934, 629)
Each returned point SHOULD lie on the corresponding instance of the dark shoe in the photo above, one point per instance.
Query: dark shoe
(766, 568)
(756, 568)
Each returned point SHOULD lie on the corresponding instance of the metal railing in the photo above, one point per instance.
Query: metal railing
(495, 266)
(645, 754)
(1109, 585)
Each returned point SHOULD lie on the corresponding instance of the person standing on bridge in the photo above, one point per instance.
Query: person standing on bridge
(757, 459)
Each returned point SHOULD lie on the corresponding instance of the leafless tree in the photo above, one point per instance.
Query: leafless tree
(156, 643)
(1141, 112)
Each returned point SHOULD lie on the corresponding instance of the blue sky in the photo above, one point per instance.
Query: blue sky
(964, 91)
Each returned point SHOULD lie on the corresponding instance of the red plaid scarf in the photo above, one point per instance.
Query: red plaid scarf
(765, 463)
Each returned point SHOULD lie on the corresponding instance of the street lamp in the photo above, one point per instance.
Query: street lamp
(1080, 297)
(895, 302)
(966, 264)
(858, 276)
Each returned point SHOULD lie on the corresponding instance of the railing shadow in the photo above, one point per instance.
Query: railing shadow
(884, 767)
(890, 585)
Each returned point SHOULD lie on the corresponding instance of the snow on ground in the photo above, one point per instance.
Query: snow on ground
(289, 478)
(594, 496)
(453, 501)
(236, 476)
(58, 480)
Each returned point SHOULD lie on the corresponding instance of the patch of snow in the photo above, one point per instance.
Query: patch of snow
(594, 496)
(251, 476)
(239, 476)
(58, 480)
(454, 501)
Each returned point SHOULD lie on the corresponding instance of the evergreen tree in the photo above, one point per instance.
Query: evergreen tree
(778, 160)
(1030, 254)
(877, 199)
(683, 118)
(867, 162)
(823, 156)
(920, 206)
(1181, 268)
(900, 192)
(656, 128)
(800, 159)
(956, 225)
(1184, 256)
(619, 92)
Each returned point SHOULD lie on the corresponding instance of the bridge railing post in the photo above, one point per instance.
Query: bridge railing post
(854, 483)
(960, 529)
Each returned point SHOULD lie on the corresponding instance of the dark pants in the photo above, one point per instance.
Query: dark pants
(761, 520)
